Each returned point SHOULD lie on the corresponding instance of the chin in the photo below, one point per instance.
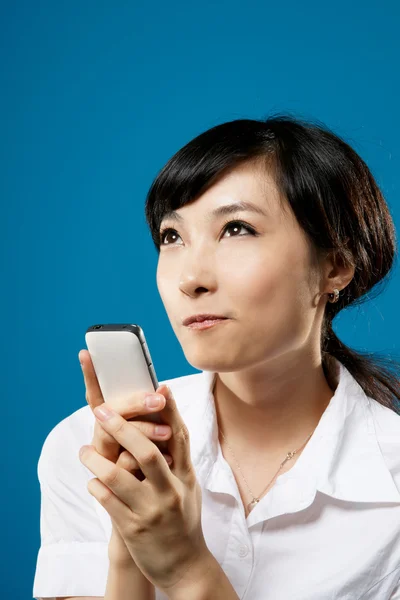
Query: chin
(218, 362)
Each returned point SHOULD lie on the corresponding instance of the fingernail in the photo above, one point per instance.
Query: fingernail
(152, 401)
(161, 429)
(103, 413)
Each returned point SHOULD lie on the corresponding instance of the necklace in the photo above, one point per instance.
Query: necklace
(289, 455)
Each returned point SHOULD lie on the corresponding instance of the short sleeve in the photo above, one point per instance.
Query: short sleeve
(73, 556)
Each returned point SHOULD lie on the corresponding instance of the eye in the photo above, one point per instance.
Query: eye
(239, 225)
(230, 224)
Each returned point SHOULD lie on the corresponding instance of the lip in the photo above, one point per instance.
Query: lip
(202, 317)
(206, 324)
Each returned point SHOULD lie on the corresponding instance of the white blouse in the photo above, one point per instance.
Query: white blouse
(328, 529)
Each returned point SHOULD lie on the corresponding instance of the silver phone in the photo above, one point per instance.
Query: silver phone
(123, 365)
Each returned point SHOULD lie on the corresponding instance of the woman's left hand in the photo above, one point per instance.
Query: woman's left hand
(159, 518)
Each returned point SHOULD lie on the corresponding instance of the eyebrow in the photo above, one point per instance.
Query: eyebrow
(226, 209)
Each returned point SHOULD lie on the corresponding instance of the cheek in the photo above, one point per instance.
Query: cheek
(257, 277)
(269, 291)
(164, 284)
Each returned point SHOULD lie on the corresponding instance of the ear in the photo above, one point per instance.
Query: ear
(338, 271)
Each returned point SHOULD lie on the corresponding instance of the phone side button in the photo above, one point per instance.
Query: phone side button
(146, 353)
(153, 375)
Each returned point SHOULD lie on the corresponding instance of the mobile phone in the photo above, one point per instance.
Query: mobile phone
(123, 365)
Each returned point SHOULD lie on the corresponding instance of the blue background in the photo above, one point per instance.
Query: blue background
(95, 98)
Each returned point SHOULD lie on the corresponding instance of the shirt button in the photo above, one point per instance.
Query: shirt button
(243, 551)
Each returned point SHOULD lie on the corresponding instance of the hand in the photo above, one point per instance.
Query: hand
(108, 447)
(159, 518)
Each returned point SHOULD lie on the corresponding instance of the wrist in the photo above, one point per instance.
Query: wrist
(118, 553)
(127, 582)
(207, 582)
(124, 563)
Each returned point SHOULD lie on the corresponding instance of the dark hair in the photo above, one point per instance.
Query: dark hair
(334, 197)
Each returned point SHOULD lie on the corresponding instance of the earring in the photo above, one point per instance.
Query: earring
(334, 296)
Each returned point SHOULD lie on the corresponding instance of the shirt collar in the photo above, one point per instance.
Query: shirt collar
(342, 458)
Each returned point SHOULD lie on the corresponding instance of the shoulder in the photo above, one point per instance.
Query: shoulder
(386, 426)
(59, 453)
(386, 421)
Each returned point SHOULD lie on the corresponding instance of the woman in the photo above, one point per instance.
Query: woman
(275, 225)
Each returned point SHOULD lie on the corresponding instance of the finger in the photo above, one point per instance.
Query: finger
(124, 485)
(128, 462)
(133, 406)
(105, 444)
(136, 405)
(120, 513)
(113, 478)
(108, 447)
(94, 394)
(179, 444)
(152, 430)
(149, 457)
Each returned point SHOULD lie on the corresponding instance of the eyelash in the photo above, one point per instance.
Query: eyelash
(250, 229)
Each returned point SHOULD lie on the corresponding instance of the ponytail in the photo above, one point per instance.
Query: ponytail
(379, 376)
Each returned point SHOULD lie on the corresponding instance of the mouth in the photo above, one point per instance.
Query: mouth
(201, 318)
(207, 323)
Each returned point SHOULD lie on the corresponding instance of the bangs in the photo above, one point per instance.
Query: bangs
(197, 166)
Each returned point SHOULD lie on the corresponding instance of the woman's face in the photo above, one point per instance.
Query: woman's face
(264, 283)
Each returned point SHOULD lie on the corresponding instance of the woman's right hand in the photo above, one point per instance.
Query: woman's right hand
(107, 446)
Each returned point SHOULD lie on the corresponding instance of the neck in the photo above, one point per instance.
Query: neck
(271, 409)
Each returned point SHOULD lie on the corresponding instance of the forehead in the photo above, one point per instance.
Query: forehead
(249, 186)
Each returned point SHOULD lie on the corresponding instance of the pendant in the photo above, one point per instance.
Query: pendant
(252, 504)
